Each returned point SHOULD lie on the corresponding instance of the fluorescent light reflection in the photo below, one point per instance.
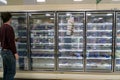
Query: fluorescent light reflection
(77, 0)
(109, 14)
(3, 1)
(88, 14)
(41, 0)
(68, 14)
(115, 0)
(47, 14)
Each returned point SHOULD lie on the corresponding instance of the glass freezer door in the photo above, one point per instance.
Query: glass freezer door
(70, 25)
(117, 52)
(42, 35)
(0, 49)
(99, 41)
(19, 24)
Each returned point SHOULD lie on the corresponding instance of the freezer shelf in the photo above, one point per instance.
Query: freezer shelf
(103, 58)
(71, 58)
(40, 63)
(38, 66)
(98, 66)
(68, 64)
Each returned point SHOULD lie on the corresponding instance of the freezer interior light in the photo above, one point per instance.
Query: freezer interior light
(51, 18)
(77, 0)
(88, 14)
(41, 0)
(100, 18)
(47, 14)
(109, 14)
(3, 1)
(68, 14)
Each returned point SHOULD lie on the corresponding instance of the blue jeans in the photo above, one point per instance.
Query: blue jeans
(9, 65)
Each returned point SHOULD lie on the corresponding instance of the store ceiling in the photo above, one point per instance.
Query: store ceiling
(33, 2)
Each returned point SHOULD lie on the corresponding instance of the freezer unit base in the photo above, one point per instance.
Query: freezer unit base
(67, 75)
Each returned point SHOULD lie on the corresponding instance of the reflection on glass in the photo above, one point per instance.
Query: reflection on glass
(19, 25)
(99, 41)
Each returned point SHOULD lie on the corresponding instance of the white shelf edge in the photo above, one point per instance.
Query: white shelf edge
(99, 37)
(42, 30)
(42, 43)
(99, 30)
(99, 50)
(98, 58)
(100, 23)
(70, 37)
(74, 30)
(42, 50)
(70, 43)
(99, 44)
(68, 24)
(43, 57)
(70, 58)
(61, 50)
(42, 37)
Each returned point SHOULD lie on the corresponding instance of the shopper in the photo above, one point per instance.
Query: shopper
(8, 51)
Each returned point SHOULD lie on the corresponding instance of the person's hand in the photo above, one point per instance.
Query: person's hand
(16, 39)
(16, 56)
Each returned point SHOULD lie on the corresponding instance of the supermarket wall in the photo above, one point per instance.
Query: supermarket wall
(60, 7)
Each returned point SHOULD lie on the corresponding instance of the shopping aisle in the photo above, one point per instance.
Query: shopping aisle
(64, 79)
(31, 79)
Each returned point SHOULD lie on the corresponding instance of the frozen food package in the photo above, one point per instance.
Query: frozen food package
(70, 25)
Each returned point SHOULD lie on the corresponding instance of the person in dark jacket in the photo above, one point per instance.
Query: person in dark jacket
(8, 51)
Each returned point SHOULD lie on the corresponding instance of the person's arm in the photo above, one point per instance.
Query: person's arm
(11, 40)
(16, 56)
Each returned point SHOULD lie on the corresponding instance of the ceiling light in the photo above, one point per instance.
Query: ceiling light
(77, 0)
(3, 1)
(115, 0)
(41, 0)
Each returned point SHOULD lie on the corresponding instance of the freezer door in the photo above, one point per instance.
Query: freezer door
(117, 51)
(19, 24)
(70, 31)
(0, 48)
(99, 41)
(42, 38)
